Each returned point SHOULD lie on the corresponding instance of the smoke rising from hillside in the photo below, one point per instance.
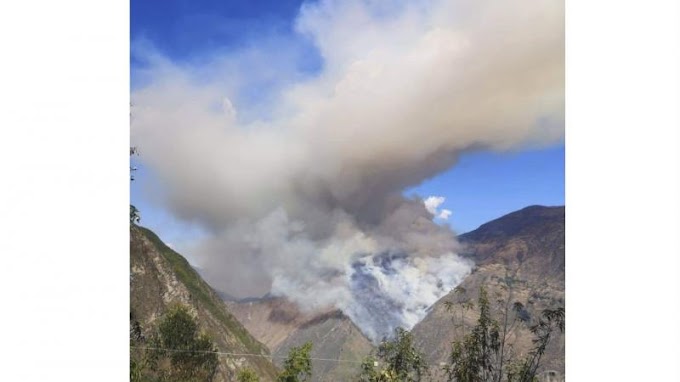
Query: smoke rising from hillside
(298, 177)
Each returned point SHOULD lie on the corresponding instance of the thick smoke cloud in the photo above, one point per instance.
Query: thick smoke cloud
(298, 178)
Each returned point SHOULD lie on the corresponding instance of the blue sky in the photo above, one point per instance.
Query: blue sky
(481, 187)
(182, 28)
(487, 185)
(191, 30)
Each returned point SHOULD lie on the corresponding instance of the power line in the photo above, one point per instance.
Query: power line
(237, 354)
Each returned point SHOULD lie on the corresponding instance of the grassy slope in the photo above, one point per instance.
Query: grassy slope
(199, 288)
(205, 296)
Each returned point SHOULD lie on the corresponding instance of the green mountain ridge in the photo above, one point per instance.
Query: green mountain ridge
(161, 277)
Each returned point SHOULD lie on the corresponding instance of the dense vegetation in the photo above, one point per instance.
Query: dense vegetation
(298, 366)
(176, 351)
(400, 359)
(247, 375)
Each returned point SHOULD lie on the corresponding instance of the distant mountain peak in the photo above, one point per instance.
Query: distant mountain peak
(525, 221)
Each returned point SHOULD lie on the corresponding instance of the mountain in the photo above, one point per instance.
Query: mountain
(524, 248)
(160, 277)
(526, 245)
(280, 325)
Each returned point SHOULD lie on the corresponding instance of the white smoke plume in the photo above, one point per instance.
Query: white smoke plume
(298, 178)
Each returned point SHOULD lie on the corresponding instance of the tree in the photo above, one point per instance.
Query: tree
(369, 372)
(524, 370)
(247, 375)
(403, 362)
(134, 215)
(298, 366)
(481, 355)
(180, 352)
(465, 305)
(134, 212)
(471, 357)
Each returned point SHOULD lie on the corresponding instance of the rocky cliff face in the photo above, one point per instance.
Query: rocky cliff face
(337, 342)
(160, 277)
(525, 250)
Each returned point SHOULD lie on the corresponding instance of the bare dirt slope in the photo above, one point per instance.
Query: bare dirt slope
(280, 325)
(525, 248)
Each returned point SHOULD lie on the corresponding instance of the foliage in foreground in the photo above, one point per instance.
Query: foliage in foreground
(177, 351)
(298, 366)
(402, 361)
(134, 215)
(482, 355)
(247, 375)
(134, 212)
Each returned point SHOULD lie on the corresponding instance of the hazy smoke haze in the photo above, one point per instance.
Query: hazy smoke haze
(299, 177)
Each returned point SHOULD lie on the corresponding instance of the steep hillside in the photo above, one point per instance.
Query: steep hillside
(280, 325)
(532, 237)
(526, 246)
(160, 277)
(525, 249)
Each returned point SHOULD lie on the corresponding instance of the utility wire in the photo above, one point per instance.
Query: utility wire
(237, 354)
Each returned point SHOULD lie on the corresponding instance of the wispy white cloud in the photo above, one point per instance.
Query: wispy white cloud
(432, 203)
